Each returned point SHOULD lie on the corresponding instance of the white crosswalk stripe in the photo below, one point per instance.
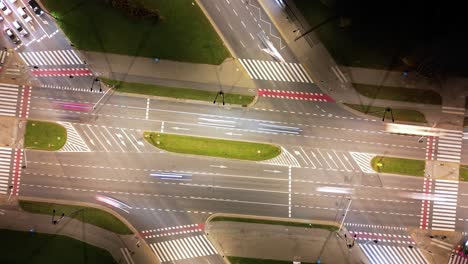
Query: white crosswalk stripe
(383, 254)
(5, 169)
(183, 248)
(51, 57)
(456, 259)
(444, 208)
(276, 71)
(8, 99)
(284, 159)
(74, 141)
(449, 145)
(3, 55)
(363, 160)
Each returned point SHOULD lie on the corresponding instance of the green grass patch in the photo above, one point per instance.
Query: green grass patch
(44, 135)
(272, 222)
(179, 93)
(463, 172)
(34, 248)
(231, 149)
(406, 115)
(88, 215)
(402, 166)
(182, 32)
(399, 94)
(241, 260)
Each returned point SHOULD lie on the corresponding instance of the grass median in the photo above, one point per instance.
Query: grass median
(44, 135)
(88, 215)
(463, 173)
(405, 115)
(181, 33)
(30, 247)
(241, 260)
(272, 222)
(410, 167)
(222, 148)
(403, 94)
(179, 93)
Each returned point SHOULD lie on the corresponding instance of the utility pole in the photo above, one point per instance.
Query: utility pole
(216, 98)
(344, 216)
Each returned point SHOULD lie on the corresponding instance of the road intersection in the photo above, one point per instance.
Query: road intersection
(324, 163)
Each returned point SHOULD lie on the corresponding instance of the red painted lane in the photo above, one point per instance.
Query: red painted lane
(425, 204)
(430, 148)
(382, 237)
(17, 161)
(62, 72)
(175, 230)
(295, 95)
(25, 102)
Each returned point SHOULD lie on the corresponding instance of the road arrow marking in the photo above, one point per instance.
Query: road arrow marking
(233, 134)
(218, 166)
(274, 171)
(180, 128)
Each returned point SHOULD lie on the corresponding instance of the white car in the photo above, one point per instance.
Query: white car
(20, 28)
(5, 9)
(12, 1)
(22, 13)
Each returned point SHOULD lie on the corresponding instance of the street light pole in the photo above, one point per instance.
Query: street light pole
(346, 213)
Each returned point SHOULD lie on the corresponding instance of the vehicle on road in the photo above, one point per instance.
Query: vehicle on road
(5, 9)
(23, 14)
(1, 19)
(36, 7)
(12, 35)
(12, 1)
(20, 28)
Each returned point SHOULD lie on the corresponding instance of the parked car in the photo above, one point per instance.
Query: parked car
(1, 19)
(12, 35)
(35, 7)
(20, 28)
(23, 14)
(5, 9)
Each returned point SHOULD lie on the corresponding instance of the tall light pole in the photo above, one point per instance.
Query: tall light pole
(344, 216)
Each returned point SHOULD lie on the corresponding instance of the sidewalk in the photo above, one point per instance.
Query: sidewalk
(314, 56)
(15, 219)
(230, 76)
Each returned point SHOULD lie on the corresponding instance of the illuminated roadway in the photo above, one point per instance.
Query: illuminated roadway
(318, 136)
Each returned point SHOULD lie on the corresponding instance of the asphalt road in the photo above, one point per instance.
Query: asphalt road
(325, 149)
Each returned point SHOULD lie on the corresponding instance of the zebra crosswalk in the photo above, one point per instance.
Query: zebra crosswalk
(5, 169)
(457, 259)
(50, 57)
(284, 159)
(275, 71)
(183, 248)
(449, 145)
(383, 254)
(363, 160)
(444, 208)
(8, 99)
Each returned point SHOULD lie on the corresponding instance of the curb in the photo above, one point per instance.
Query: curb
(100, 207)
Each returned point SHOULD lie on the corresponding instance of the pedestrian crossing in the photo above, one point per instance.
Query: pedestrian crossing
(51, 57)
(317, 97)
(183, 248)
(449, 146)
(74, 141)
(363, 160)
(457, 259)
(8, 99)
(384, 254)
(444, 208)
(284, 159)
(275, 71)
(5, 169)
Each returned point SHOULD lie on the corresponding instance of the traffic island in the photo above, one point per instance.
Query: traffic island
(221, 148)
(247, 239)
(34, 247)
(180, 93)
(394, 165)
(42, 135)
(402, 94)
